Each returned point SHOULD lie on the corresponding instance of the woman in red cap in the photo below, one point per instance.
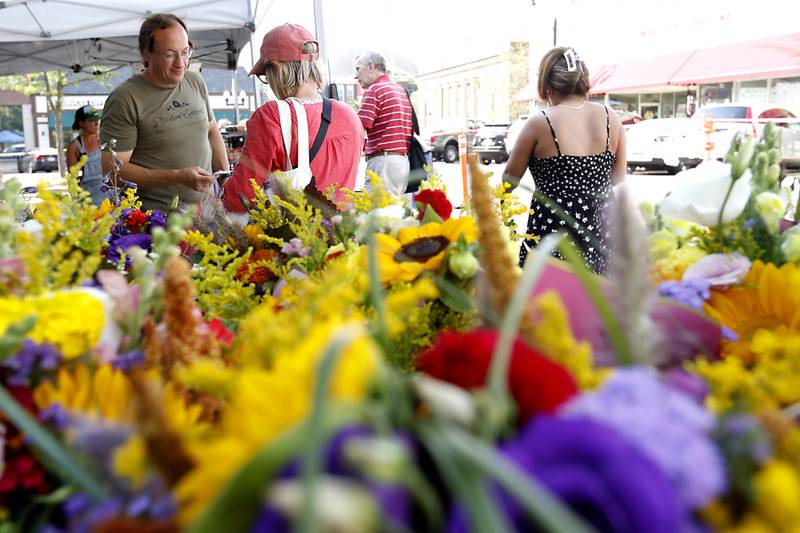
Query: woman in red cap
(300, 135)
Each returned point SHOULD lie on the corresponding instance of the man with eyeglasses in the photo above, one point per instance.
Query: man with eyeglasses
(167, 138)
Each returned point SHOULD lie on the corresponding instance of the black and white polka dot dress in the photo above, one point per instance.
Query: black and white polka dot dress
(580, 186)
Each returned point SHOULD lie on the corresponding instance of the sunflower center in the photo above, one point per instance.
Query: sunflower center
(420, 250)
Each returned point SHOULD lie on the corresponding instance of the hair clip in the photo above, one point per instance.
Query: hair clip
(572, 59)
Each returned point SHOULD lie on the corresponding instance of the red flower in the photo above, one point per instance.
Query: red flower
(23, 472)
(435, 199)
(538, 384)
(136, 220)
(220, 332)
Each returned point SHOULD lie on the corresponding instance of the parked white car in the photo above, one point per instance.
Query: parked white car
(513, 132)
(671, 144)
(728, 119)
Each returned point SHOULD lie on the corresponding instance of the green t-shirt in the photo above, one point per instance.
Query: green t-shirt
(165, 128)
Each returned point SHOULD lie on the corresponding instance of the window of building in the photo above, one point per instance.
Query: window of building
(717, 93)
(667, 105)
(786, 93)
(753, 92)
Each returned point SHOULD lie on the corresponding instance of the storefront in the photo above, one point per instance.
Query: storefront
(764, 71)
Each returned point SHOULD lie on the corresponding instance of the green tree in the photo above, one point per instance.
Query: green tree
(51, 85)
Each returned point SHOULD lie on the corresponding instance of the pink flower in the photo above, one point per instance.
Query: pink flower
(720, 269)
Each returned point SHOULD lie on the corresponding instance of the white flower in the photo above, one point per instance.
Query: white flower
(790, 244)
(700, 198)
(770, 207)
(720, 269)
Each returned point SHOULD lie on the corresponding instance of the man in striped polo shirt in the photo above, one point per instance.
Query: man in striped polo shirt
(385, 113)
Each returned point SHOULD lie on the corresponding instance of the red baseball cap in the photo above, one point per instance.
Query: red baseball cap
(284, 43)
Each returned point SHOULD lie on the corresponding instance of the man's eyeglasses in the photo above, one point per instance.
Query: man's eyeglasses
(171, 56)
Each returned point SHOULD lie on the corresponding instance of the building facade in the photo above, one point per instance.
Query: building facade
(483, 89)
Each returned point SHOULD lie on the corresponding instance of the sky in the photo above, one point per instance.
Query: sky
(432, 34)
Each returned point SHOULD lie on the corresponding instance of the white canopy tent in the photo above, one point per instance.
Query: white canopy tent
(76, 35)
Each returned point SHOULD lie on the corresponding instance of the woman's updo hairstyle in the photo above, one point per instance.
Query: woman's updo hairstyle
(564, 73)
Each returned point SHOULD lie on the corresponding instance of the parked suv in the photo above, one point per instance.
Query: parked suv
(490, 143)
(671, 144)
(750, 119)
(444, 142)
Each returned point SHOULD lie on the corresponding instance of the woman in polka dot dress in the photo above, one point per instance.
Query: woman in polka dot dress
(574, 170)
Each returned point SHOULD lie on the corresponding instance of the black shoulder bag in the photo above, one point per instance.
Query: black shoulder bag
(417, 158)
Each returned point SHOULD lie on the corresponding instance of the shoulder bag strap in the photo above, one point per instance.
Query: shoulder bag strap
(414, 121)
(323, 128)
(302, 134)
(286, 131)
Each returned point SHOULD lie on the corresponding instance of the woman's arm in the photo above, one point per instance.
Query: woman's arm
(72, 155)
(620, 168)
(520, 154)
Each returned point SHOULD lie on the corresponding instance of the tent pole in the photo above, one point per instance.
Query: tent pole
(256, 91)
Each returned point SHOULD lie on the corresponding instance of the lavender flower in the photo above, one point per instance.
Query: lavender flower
(668, 426)
(31, 359)
(593, 469)
(295, 247)
(691, 292)
(121, 244)
(127, 361)
(719, 269)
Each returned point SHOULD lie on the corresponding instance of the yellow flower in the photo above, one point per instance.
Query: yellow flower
(420, 248)
(129, 461)
(768, 297)
(778, 496)
(662, 243)
(554, 337)
(106, 394)
(105, 208)
(206, 375)
(71, 320)
(266, 402)
(677, 261)
(254, 232)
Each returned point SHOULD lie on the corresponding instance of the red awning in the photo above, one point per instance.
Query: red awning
(763, 58)
(641, 74)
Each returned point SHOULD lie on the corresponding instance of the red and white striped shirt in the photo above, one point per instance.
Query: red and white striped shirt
(385, 113)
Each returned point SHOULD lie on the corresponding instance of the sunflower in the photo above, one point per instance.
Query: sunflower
(420, 248)
(768, 298)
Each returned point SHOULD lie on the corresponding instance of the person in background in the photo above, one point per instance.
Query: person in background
(385, 113)
(288, 63)
(575, 150)
(87, 142)
(167, 138)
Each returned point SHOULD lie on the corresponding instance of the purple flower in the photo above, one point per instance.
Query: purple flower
(121, 244)
(158, 219)
(594, 470)
(55, 415)
(127, 361)
(31, 359)
(665, 424)
(392, 498)
(693, 386)
(719, 269)
(690, 292)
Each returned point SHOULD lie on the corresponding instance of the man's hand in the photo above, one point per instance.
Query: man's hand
(196, 178)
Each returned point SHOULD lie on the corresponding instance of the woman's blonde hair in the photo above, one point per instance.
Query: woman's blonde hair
(564, 73)
(285, 77)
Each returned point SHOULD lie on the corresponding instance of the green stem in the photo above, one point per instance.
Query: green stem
(722, 211)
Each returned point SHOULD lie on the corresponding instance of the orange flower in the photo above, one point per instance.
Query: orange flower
(255, 269)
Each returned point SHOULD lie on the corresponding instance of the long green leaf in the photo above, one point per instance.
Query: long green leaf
(498, 384)
(551, 514)
(238, 504)
(622, 350)
(62, 459)
(462, 481)
(311, 462)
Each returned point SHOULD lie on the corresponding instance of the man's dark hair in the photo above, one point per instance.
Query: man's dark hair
(157, 21)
